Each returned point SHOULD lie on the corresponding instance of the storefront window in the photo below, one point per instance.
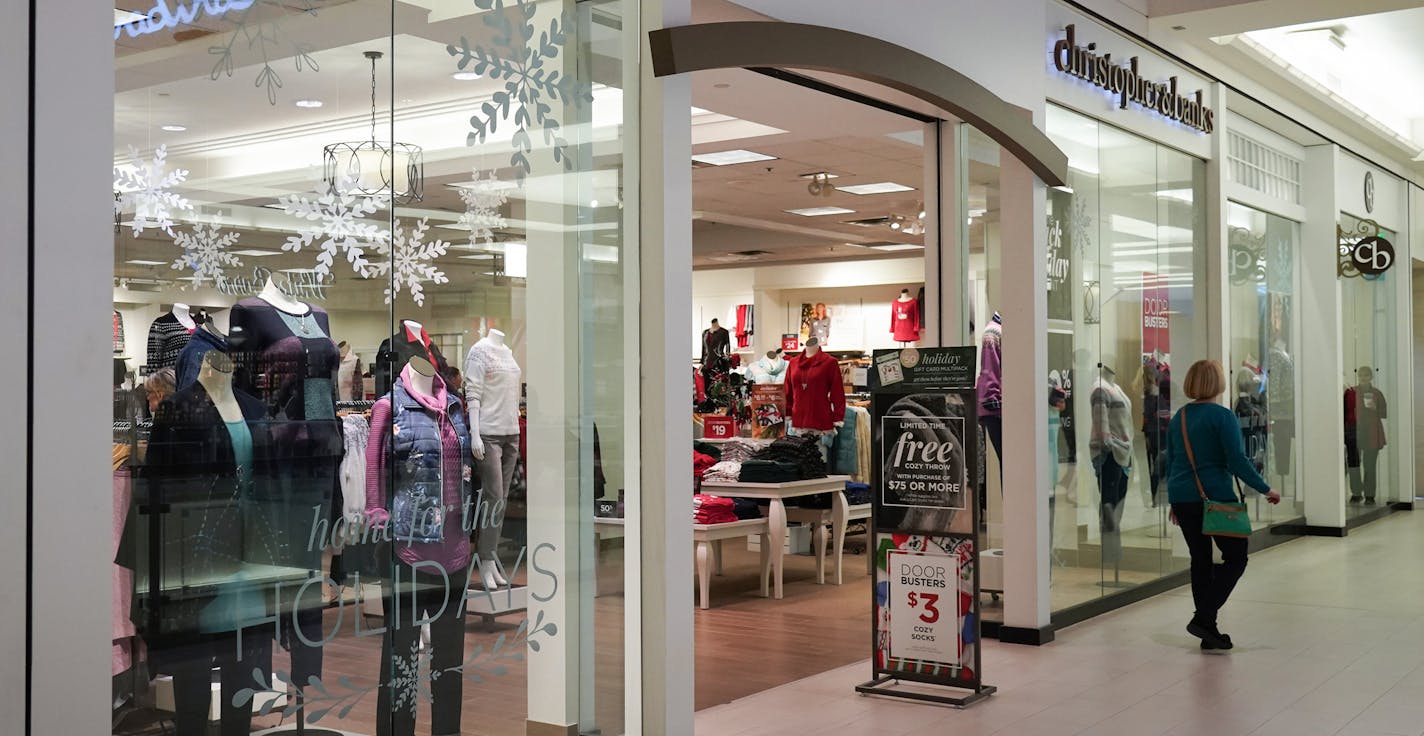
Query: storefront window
(369, 366)
(1125, 249)
(1368, 319)
(1262, 377)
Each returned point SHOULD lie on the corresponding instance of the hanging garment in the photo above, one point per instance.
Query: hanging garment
(166, 339)
(991, 369)
(398, 349)
(905, 320)
(356, 433)
(844, 451)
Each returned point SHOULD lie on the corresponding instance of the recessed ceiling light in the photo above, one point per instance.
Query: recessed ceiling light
(895, 246)
(722, 85)
(479, 257)
(125, 17)
(819, 211)
(884, 187)
(727, 158)
(142, 262)
(252, 253)
(175, 128)
(465, 76)
(821, 175)
(310, 104)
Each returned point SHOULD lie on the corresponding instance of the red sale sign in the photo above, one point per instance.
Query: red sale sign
(716, 427)
(1156, 322)
(791, 342)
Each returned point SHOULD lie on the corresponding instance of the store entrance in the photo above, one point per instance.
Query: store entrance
(810, 230)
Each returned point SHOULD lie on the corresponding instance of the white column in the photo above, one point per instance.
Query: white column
(1217, 304)
(1025, 310)
(665, 201)
(1322, 438)
(71, 482)
(950, 267)
(14, 285)
(1403, 277)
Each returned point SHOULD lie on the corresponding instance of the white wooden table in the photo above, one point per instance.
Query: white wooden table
(777, 493)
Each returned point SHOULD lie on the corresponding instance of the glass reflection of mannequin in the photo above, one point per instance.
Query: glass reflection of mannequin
(492, 386)
(1111, 446)
(1365, 412)
(1250, 412)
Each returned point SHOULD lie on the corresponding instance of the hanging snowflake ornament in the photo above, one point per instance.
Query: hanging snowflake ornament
(146, 187)
(206, 254)
(338, 227)
(410, 262)
(483, 200)
(530, 87)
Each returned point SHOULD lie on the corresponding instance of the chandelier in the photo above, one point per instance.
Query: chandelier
(376, 168)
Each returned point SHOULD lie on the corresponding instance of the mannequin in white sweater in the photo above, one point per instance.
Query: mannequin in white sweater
(492, 391)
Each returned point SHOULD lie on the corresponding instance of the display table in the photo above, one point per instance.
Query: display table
(777, 493)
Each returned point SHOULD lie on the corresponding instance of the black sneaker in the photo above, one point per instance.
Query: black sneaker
(1211, 638)
(1369, 502)
(1354, 499)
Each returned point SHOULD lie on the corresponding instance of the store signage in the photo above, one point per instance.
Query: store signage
(768, 411)
(1369, 257)
(790, 342)
(161, 17)
(1369, 192)
(1156, 324)
(924, 515)
(717, 427)
(1124, 81)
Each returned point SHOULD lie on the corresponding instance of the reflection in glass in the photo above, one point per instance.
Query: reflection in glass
(1368, 317)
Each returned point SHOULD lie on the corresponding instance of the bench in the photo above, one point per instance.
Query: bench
(707, 540)
(822, 518)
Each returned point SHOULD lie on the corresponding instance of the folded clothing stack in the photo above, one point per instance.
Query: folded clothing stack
(700, 465)
(746, 508)
(712, 509)
(741, 450)
(707, 448)
(857, 493)
(767, 471)
(802, 452)
(726, 471)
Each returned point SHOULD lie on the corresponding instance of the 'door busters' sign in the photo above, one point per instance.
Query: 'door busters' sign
(925, 617)
(1156, 319)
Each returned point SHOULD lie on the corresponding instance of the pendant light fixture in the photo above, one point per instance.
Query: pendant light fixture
(376, 168)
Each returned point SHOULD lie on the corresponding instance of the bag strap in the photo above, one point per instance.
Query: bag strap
(1191, 458)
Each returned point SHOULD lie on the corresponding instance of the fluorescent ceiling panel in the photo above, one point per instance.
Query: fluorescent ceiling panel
(125, 17)
(884, 187)
(142, 262)
(897, 246)
(728, 158)
(820, 211)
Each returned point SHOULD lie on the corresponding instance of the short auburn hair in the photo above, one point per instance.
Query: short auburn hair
(1205, 381)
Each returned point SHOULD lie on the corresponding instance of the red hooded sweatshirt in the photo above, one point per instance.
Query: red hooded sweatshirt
(815, 395)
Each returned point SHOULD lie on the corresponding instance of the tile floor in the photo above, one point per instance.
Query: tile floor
(1329, 641)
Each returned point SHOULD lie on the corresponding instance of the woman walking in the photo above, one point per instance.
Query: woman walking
(1204, 460)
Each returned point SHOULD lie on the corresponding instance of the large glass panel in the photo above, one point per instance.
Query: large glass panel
(370, 366)
(1367, 315)
(1261, 376)
(1125, 246)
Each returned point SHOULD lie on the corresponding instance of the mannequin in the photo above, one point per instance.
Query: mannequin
(1111, 446)
(990, 386)
(815, 395)
(716, 363)
(286, 358)
(168, 335)
(905, 318)
(1280, 402)
(209, 452)
(1250, 413)
(203, 340)
(409, 340)
(492, 392)
(1365, 412)
(769, 369)
(348, 375)
(416, 464)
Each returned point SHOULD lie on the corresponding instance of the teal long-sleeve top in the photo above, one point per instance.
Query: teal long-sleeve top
(1220, 454)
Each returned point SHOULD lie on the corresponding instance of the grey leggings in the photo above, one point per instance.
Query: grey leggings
(496, 476)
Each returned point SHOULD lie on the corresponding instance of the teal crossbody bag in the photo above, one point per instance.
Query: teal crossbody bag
(1219, 519)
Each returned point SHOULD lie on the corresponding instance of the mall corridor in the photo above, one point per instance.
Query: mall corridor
(1329, 641)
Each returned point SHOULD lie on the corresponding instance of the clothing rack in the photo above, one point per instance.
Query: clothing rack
(360, 405)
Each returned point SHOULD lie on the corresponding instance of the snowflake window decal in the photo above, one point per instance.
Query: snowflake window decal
(268, 38)
(529, 86)
(206, 254)
(146, 187)
(410, 262)
(483, 199)
(338, 227)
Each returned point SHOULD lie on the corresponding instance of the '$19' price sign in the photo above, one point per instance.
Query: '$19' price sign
(929, 602)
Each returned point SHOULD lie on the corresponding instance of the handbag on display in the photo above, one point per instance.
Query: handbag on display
(1219, 518)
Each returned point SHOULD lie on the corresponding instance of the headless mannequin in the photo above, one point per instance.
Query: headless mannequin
(492, 398)
(184, 313)
(1111, 411)
(422, 380)
(904, 295)
(218, 384)
(276, 297)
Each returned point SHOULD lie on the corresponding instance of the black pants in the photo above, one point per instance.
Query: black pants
(1212, 583)
(1365, 478)
(1112, 487)
(1154, 459)
(192, 684)
(994, 429)
(399, 652)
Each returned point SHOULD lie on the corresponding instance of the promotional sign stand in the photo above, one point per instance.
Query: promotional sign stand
(925, 526)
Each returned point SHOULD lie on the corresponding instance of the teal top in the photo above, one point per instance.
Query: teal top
(1220, 453)
(241, 449)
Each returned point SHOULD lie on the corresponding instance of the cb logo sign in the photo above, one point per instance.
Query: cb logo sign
(1369, 257)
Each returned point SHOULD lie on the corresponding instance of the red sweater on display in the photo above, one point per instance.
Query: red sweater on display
(905, 320)
(815, 395)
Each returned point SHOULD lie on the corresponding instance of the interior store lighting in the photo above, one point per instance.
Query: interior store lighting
(895, 246)
(125, 17)
(374, 168)
(309, 104)
(728, 158)
(820, 211)
(883, 187)
(465, 76)
(173, 128)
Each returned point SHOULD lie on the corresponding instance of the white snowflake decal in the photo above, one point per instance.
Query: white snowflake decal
(338, 229)
(410, 262)
(146, 187)
(205, 252)
(267, 37)
(527, 83)
(483, 200)
(1082, 226)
